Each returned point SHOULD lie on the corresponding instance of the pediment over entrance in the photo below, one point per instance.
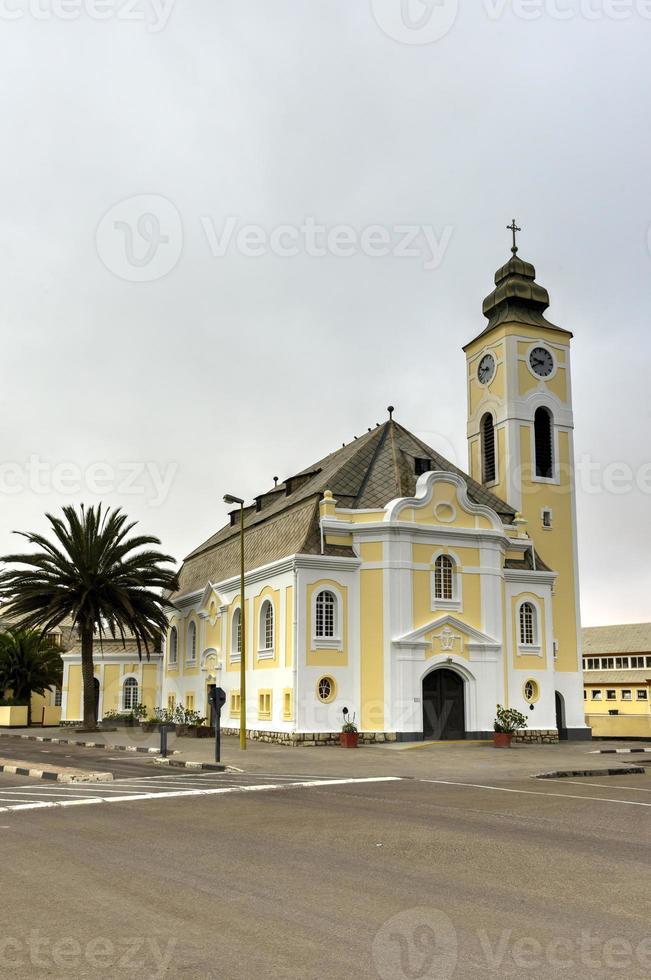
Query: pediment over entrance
(449, 636)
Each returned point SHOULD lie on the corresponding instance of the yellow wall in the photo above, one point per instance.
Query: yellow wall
(619, 726)
(372, 649)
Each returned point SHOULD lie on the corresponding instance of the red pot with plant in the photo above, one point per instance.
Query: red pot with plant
(349, 736)
(507, 722)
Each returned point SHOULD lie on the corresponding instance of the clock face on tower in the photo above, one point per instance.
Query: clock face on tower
(541, 361)
(486, 369)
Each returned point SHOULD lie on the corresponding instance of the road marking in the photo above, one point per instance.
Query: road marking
(209, 791)
(577, 782)
(531, 792)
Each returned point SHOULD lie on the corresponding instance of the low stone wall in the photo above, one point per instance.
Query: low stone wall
(308, 738)
(546, 735)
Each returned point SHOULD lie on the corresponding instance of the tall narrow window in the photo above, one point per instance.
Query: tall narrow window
(58, 697)
(326, 605)
(191, 651)
(487, 449)
(236, 639)
(527, 624)
(267, 626)
(443, 578)
(130, 694)
(174, 646)
(542, 430)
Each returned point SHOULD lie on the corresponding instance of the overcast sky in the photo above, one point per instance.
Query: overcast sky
(148, 330)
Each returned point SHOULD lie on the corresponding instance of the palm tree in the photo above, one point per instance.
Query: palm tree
(29, 663)
(94, 574)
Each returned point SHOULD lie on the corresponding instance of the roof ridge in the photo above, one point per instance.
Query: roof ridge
(376, 452)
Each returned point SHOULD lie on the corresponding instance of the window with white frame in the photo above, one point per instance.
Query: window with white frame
(236, 634)
(627, 695)
(528, 625)
(642, 694)
(130, 694)
(546, 517)
(58, 697)
(325, 615)
(267, 628)
(191, 648)
(173, 647)
(595, 694)
(444, 577)
(611, 694)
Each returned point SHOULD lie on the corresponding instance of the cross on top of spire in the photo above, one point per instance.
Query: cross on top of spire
(513, 228)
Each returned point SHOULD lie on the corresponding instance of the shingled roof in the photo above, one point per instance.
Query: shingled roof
(622, 638)
(366, 473)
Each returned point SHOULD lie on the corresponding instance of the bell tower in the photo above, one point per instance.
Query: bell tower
(520, 426)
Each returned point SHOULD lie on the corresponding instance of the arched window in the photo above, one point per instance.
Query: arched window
(488, 471)
(130, 694)
(326, 614)
(267, 626)
(543, 429)
(236, 637)
(528, 625)
(173, 654)
(443, 577)
(191, 650)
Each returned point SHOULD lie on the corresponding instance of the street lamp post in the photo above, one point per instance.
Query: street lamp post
(230, 499)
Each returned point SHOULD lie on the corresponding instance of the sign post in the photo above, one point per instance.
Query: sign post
(217, 698)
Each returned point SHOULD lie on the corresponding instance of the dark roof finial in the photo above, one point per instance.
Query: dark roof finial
(390, 410)
(275, 481)
(513, 228)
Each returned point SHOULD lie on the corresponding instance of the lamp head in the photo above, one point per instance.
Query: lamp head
(230, 499)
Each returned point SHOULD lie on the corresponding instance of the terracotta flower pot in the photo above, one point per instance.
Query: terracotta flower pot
(348, 740)
(502, 740)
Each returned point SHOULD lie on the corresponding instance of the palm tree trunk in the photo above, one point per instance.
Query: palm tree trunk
(29, 709)
(88, 676)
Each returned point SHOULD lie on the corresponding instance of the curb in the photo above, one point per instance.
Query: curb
(88, 745)
(617, 751)
(621, 771)
(178, 764)
(59, 777)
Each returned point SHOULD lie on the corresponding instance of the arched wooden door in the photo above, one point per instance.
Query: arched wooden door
(444, 715)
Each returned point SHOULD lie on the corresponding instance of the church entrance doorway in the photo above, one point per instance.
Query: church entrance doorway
(443, 705)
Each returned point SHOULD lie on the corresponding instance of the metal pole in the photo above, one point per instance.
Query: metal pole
(218, 725)
(243, 634)
(163, 741)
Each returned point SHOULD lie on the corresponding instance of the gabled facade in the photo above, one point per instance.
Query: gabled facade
(384, 580)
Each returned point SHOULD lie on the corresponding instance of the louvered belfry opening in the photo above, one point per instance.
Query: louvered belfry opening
(488, 448)
(542, 428)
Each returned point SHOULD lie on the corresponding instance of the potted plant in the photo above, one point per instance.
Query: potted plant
(349, 735)
(507, 721)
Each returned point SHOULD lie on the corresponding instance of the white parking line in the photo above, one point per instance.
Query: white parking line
(210, 791)
(531, 792)
(577, 782)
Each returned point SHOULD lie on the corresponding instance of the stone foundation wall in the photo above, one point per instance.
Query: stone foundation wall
(546, 735)
(308, 738)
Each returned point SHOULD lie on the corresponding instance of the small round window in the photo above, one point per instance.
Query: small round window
(326, 689)
(530, 691)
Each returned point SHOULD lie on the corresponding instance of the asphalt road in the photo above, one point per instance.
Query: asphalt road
(40, 755)
(407, 880)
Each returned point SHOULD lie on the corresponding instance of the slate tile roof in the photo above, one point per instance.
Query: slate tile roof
(366, 473)
(614, 640)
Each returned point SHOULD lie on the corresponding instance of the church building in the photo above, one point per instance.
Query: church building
(383, 580)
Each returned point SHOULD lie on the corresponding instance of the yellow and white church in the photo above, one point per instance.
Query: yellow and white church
(384, 580)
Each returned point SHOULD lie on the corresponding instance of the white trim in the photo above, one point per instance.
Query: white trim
(425, 494)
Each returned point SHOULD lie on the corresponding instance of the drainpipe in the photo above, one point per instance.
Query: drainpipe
(295, 645)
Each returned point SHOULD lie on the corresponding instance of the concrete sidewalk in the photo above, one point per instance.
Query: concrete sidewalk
(467, 760)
